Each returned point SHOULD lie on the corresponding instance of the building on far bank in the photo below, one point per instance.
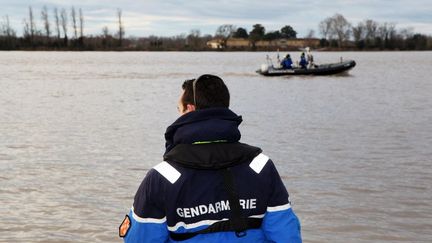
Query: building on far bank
(241, 43)
(298, 43)
(215, 43)
(238, 43)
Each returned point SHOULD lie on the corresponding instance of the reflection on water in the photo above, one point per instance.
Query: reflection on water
(80, 130)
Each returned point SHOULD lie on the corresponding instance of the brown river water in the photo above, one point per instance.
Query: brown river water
(79, 131)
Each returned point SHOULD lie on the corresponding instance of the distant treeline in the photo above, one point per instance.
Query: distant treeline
(63, 29)
(369, 34)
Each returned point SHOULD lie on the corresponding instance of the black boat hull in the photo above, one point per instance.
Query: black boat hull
(323, 69)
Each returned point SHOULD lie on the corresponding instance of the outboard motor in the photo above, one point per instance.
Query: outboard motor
(264, 68)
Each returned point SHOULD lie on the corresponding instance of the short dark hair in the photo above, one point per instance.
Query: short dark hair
(210, 91)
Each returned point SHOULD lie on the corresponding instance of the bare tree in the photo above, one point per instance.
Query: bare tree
(81, 19)
(74, 22)
(31, 24)
(10, 36)
(45, 20)
(372, 34)
(325, 27)
(225, 32)
(371, 29)
(392, 30)
(3, 27)
(341, 28)
(193, 39)
(106, 35)
(6, 28)
(26, 30)
(359, 32)
(64, 24)
(105, 32)
(386, 31)
(121, 30)
(336, 27)
(57, 22)
(383, 34)
(406, 33)
(382, 31)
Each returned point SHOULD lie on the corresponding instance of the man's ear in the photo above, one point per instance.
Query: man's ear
(190, 107)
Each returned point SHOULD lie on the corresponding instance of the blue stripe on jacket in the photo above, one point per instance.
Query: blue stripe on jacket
(277, 227)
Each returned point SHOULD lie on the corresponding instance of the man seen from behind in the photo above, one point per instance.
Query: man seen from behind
(210, 187)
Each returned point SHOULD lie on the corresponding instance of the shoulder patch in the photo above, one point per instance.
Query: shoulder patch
(259, 162)
(124, 227)
(168, 171)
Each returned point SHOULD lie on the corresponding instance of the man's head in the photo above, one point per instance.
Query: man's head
(207, 91)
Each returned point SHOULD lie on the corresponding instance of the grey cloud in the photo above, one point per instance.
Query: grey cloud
(174, 16)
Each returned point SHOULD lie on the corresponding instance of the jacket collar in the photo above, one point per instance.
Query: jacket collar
(206, 125)
(211, 156)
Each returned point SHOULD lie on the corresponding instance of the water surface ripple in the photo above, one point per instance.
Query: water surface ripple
(79, 130)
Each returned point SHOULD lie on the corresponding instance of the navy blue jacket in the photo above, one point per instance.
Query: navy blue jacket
(186, 193)
(303, 62)
(287, 63)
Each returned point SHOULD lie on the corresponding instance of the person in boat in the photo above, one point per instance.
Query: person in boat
(310, 58)
(210, 187)
(303, 62)
(287, 62)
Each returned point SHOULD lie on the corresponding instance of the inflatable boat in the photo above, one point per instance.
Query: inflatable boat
(322, 69)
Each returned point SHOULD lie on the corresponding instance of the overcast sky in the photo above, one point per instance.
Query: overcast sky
(175, 17)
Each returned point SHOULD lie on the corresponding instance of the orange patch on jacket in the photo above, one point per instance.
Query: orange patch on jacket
(125, 226)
